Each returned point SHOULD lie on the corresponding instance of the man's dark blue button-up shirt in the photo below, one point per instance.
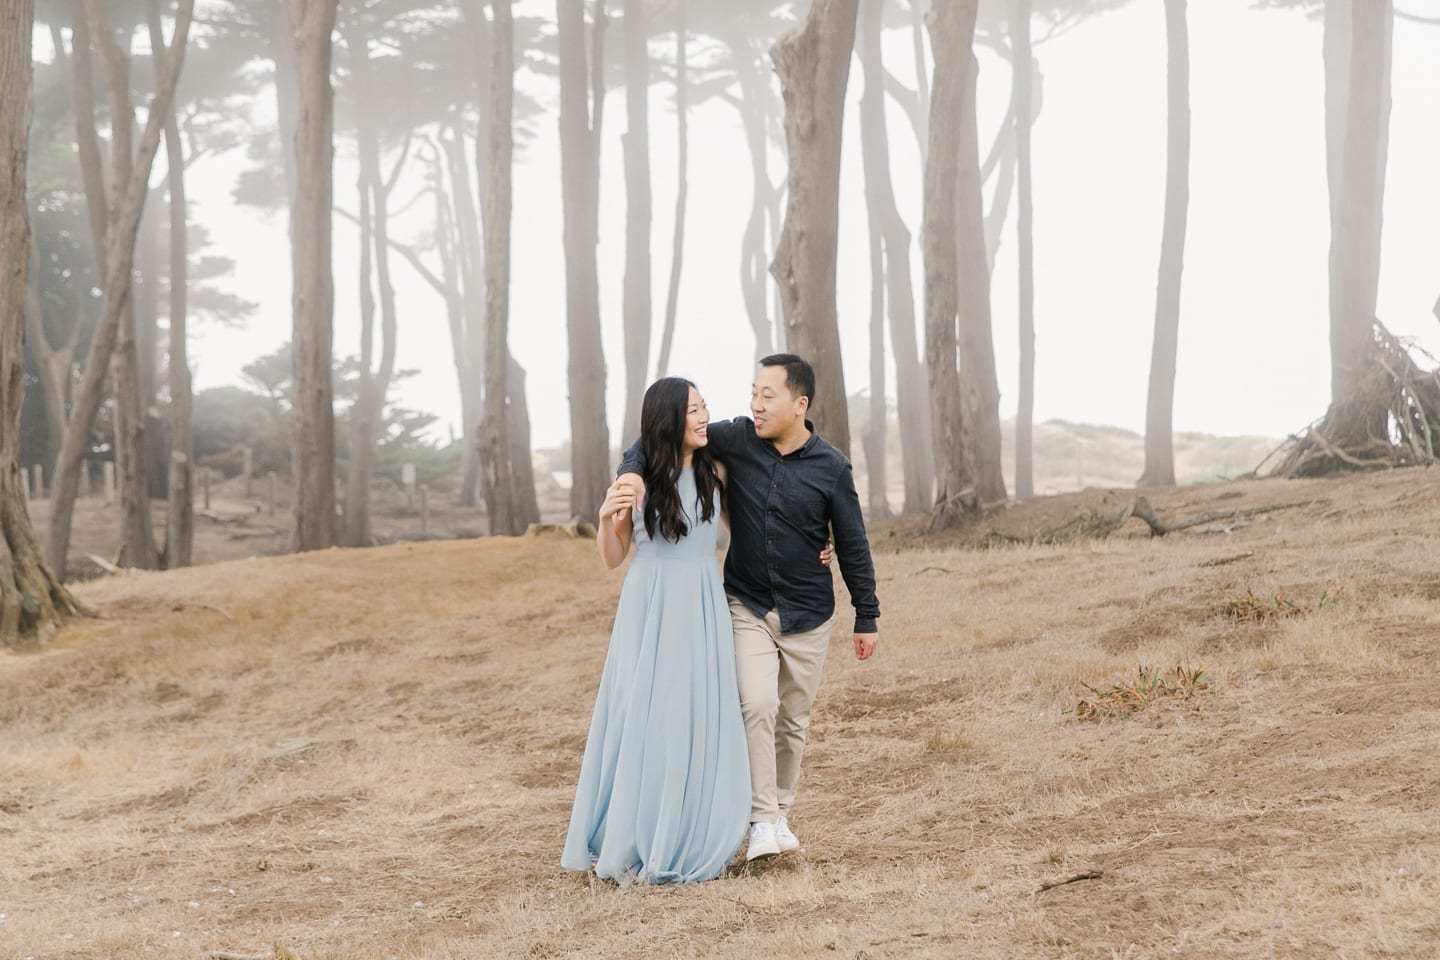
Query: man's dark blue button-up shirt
(782, 509)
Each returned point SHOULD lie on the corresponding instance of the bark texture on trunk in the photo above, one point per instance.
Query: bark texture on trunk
(980, 388)
(682, 187)
(117, 266)
(813, 63)
(637, 306)
(312, 436)
(952, 31)
(494, 443)
(1355, 235)
(32, 601)
(180, 492)
(1159, 410)
(1025, 241)
(579, 164)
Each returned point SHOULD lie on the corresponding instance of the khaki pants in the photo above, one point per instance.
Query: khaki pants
(778, 675)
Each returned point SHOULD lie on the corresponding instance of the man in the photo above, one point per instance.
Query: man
(787, 489)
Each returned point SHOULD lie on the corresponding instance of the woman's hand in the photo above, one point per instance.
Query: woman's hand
(827, 555)
(620, 499)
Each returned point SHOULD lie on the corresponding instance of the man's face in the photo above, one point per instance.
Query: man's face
(773, 407)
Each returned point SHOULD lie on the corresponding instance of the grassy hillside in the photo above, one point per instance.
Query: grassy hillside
(371, 754)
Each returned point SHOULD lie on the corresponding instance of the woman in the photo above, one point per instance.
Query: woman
(664, 791)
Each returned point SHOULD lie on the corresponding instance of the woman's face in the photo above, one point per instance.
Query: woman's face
(697, 421)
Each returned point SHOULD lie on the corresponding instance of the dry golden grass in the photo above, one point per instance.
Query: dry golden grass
(370, 754)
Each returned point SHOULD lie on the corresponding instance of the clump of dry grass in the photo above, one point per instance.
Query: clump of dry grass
(1150, 686)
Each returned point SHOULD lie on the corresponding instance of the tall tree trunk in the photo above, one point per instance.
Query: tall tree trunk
(473, 247)
(375, 240)
(922, 74)
(1336, 52)
(312, 439)
(813, 63)
(1025, 240)
(449, 286)
(1159, 410)
(916, 460)
(980, 388)
(682, 186)
(753, 274)
(52, 364)
(875, 148)
(287, 88)
(952, 31)
(118, 264)
(636, 143)
(137, 538)
(32, 601)
(495, 428)
(527, 508)
(579, 164)
(470, 248)
(1355, 238)
(180, 495)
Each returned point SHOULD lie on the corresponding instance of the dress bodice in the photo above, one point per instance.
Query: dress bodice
(701, 540)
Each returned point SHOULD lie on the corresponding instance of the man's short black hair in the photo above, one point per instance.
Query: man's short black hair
(799, 375)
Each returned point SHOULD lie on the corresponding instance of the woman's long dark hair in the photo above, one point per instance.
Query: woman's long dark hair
(662, 437)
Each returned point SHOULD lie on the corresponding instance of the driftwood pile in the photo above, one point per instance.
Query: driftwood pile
(1391, 419)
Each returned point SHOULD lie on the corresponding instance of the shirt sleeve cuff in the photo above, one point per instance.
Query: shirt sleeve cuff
(865, 625)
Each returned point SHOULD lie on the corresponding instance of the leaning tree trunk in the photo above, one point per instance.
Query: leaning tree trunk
(813, 63)
(132, 467)
(682, 187)
(495, 428)
(952, 31)
(980, 389)
(32, 601)
(636, 144)
(118, 265)
(312, 437)
(1025, 242)
(1355, 238)
(1159, 410)
(915, 456)
(180, 491)
(579, 164)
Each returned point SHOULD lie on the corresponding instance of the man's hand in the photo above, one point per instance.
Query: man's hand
(865, 645)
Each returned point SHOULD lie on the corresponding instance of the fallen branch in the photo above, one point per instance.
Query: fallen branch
(1087, 875)
(102, 563)
(1222, 561)
(203, 606)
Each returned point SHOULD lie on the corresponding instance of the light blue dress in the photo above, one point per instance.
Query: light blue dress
(664, 790)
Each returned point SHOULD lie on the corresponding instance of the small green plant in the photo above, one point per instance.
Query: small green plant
(1150, 685)
(1253, 608)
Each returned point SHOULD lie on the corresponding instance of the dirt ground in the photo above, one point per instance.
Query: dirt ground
(371, 754)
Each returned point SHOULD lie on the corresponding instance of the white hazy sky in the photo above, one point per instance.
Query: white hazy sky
(1253, 338)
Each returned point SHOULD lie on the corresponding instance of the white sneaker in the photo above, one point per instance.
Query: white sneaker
(784, 838)
(762, 842)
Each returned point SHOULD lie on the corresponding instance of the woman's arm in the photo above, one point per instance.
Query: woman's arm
(723, 475)
(615, 529)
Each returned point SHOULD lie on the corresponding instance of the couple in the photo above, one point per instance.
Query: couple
(676, 766)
